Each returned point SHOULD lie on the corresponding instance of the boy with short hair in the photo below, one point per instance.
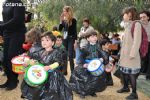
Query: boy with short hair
(81, 80)
(59, 46)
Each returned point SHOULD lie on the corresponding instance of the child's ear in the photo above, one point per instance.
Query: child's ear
(88, 39)
(53, 43)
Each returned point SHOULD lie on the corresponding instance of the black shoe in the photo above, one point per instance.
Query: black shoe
(11, 87)
(132, 96)
(4, 85)
(22, 96)
(123, 90)
(109, 83)
(93, 95)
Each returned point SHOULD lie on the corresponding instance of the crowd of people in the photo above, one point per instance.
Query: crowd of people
(48, 48)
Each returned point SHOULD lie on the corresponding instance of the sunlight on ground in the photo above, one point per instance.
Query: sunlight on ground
(108, 94)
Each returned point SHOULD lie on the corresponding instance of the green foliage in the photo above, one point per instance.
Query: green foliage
(105, 15)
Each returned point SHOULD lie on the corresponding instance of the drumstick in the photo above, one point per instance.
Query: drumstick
(23, 58)
(54, 65)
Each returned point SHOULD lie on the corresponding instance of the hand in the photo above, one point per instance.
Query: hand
(61, 17)
(75, 44)
(32, 62)
(85, 65)
(82, 34)
(25, 64)
(101, 59)
(131, 58)
(46, 68)
(111, 59)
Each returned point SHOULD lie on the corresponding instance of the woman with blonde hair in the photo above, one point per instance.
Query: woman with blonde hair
(130, 63)
(69, 26)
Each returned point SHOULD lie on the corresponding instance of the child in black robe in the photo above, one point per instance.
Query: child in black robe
(56, 86)
(81, 80)
(60, 47)
(31, 46)
(105, 46)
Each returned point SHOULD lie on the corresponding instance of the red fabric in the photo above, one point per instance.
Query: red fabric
(144, 42)
(26, 46)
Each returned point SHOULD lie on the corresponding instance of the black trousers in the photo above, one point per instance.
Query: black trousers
(12, 48)
(148, 65)
(132, 78)
(145, 62)
(109, 78)
(69, 45)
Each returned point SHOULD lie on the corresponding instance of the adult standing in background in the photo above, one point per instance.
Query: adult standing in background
(145, 17)
(14, 35)
(69, 24)
(85, 29)
(130, 62)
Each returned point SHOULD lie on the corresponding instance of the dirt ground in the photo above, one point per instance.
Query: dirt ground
(108, 94)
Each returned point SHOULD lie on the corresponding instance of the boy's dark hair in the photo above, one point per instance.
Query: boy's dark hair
(50, 35)
(86, 20)
(104, 41)
(91, 33)
(116, 35)
(60, 37)
(55, 28)
(145, 12)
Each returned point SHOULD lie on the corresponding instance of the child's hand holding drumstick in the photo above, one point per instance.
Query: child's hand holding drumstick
(51, 67)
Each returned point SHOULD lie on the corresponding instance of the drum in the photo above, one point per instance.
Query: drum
(17, 64)
(35, 75)
(96, 67)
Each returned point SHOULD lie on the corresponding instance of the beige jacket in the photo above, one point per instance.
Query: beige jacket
(83, 32)
(129, 55)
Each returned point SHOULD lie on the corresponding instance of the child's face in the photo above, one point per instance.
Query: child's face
(144, 18)
(58, 42)
(46, 42)
(92, 39)
(65, 12)
(126, 17)
(85, 24)
(106, 46)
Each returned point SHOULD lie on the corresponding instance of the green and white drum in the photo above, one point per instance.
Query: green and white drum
(35, 75)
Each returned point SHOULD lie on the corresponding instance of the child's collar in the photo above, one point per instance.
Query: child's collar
(92, 43)
(58, 46)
